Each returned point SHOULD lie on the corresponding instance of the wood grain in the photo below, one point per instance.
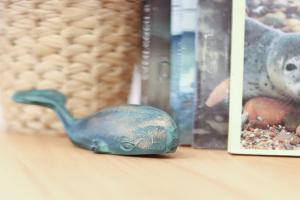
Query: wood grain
(47, 167)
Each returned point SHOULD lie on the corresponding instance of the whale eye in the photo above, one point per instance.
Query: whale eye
(127, 146)
(290, 67)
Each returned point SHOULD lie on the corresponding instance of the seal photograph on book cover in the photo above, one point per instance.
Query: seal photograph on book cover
(271, 81)
(272, 62)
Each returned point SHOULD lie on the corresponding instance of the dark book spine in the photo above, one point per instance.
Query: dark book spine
(146, 46)
(155, 67)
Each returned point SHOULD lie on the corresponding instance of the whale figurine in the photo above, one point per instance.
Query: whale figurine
(121, 130)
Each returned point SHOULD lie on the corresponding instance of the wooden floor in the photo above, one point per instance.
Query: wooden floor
(48, 167)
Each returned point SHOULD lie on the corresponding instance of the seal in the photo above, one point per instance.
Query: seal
(271, 63)
(121, 130)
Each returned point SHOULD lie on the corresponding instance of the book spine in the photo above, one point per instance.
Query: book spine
(183, 66)
(155, 65)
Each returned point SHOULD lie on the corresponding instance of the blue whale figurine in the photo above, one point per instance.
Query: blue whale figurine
(121, 130)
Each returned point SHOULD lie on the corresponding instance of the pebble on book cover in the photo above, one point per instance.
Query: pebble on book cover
(265, 84)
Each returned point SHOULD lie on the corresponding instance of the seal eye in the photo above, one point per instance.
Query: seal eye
(290, 67)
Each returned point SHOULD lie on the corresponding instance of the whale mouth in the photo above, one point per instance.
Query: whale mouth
(173, 141)
(174, 145)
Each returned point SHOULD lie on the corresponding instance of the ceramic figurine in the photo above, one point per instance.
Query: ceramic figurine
(122, 130)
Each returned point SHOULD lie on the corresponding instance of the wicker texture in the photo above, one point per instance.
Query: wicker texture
(85, 49)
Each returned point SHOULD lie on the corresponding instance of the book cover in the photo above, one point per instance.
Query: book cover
(213, 55)
(155, 57)
(265, 78)
(183, 65)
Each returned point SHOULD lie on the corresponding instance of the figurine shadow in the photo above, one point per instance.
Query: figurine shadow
(154, 156)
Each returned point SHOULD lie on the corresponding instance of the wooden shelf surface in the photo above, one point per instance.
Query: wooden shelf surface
(50, 167)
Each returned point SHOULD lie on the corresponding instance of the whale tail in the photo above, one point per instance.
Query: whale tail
(47, 98)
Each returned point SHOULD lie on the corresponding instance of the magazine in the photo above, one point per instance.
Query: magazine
(265, 78)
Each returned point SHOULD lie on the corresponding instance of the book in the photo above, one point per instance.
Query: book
(212, 85)
(265, 78)
(183, 66)
(155, 57)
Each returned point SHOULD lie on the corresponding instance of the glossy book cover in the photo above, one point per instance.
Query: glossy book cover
(265, 78)
(155, 57)
(213, 56)
(183, 66)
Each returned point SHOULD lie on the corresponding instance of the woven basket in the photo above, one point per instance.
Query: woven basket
(84, 48)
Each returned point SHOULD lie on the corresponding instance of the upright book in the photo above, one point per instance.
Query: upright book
(213, 55)
(170, 86)
(265, 78)
(183, 66)
(155, 58)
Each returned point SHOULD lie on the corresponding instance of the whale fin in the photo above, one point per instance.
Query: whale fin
(99, 146)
